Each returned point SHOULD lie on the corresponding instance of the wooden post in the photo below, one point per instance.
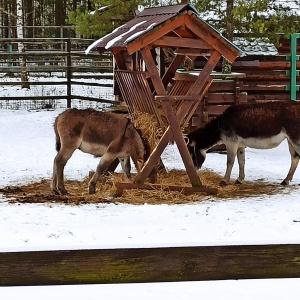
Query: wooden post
(69, 74)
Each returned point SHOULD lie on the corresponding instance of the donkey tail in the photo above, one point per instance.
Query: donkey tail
(127, 124)
(57, 138)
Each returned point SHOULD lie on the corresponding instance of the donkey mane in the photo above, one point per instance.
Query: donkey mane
(145, 143)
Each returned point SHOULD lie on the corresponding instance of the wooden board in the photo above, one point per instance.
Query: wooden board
(139, 265)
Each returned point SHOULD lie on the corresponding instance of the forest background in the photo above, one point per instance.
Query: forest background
(95, 18)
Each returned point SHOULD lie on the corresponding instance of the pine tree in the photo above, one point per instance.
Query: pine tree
(254, 18)
(105, 16)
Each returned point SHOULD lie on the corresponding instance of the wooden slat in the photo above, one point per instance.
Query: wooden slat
(136, 93)
(138, 265)
(222, 85)
(215, 98)
(267, 97)
(215, 109)
(168, 41)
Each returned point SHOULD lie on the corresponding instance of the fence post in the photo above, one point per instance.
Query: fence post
(293, 73)
(69, 74)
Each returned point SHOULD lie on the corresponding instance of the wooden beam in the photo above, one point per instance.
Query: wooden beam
(119, 59)
(212, 39)
(186, 190)
(177, 42)
(137, 265)
(156, 34)
(192, 52)
(153, 71)
(205, 73)
(178, 138)
(169, 74)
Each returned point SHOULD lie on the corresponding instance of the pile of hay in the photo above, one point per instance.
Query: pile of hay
(39, 192)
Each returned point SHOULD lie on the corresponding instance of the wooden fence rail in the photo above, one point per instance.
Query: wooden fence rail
(53, 56)
(141, 265)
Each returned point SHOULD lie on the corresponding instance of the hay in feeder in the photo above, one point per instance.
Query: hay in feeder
(149, 127)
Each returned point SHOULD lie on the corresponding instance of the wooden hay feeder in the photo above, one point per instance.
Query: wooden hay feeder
(147, 85)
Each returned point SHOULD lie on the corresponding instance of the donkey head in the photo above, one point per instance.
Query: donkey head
(198, 155)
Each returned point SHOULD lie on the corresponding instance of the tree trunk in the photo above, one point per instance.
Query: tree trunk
(60, 15)
(21, 47)
(226, 65)
(28, 9)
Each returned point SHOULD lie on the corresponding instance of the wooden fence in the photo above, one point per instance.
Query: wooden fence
(267, 77)
(141, 265)
(53, 56)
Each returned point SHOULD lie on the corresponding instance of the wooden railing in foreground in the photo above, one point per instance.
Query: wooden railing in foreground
(141, 265)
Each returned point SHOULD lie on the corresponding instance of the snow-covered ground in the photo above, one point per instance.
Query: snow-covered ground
(27, 152)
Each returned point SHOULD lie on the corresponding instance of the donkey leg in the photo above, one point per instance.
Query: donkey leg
(294, 163)
(60, 161)
(102, 167)
(241, 162)
(231, 153)
(126, 166)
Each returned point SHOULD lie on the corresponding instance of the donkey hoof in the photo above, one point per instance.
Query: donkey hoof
(284, 182)
(223, 183)
(62, 192)
(238, 181)
(55, 192)
(92, 189)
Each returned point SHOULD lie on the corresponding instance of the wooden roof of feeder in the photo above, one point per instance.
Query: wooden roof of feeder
(176, 26)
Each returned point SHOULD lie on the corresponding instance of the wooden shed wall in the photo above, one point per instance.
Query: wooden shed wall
(266, 76)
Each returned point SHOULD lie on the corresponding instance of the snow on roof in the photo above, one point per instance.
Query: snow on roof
(145, 21)
(256, 47)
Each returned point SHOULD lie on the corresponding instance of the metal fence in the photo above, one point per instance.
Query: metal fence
(59, 73)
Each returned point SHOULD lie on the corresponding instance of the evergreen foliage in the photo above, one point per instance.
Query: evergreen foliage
(105, 16)
(254, 18)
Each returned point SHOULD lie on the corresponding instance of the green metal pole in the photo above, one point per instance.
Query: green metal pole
(294, 72)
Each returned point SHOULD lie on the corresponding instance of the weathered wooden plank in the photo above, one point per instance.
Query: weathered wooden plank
(138, 265)
(222, 85)
(214, 110)
(29, 98)
(54, 68)
(261, 87)
(267, 97)
(218, 98)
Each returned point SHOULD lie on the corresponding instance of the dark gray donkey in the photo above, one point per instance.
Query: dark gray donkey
(102, 134)
(260, 126)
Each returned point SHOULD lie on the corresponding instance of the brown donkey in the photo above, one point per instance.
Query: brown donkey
(102, 134)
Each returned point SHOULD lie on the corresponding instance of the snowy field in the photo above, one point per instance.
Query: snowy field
(27, 152)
